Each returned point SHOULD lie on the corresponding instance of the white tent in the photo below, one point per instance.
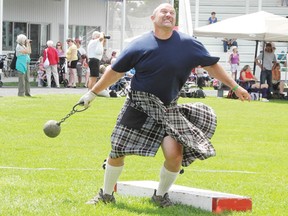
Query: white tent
(259, 26)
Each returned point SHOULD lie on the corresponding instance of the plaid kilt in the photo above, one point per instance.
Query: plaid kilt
(144, 121)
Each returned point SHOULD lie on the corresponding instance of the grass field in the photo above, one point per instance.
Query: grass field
(44, 176)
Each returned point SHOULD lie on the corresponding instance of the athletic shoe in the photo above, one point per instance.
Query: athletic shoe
(106, 198)
(264, 100)
(161, 201)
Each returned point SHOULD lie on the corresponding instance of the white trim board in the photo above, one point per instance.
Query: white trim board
(208, 200)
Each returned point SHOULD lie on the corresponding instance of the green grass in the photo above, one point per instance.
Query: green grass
(251, 143)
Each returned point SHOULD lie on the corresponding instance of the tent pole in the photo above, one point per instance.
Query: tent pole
(255, 56)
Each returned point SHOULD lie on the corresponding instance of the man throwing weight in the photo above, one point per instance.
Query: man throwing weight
(151, 118)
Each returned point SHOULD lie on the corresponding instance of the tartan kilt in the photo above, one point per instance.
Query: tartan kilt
(144, 121)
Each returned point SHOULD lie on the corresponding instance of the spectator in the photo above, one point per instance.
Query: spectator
(150, 117)
(113, 57)
(61, 53)
(104, 59)
(53, 58)
(227, 43)
(234, 61)
(85, 68)
(23, 51)
(72, 60)
(277, 84)
(282, 2)
(212, 19)
(95, 52)
(41, 75)
(249, 82)
(269, 58)
(80, 51)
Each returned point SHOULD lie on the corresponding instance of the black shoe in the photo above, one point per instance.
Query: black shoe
(106, 198)
(161, 201)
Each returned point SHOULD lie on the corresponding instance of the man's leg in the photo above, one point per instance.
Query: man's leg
(91, 82)
(173, 153)
(113, 170)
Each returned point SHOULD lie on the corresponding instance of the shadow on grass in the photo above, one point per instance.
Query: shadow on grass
(177, 209)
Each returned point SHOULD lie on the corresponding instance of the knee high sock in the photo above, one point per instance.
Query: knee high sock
(111, 176)
(167, 178)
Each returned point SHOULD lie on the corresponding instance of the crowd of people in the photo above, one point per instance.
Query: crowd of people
(77, 61)
(91, 64)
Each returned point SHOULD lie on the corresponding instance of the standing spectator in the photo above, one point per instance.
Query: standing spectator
(234, 61)
(61, 55)
(95, 52)
(41, 73)
(227, 43)
(80, 51)
(23, 51)
(53, 60)
(212, 19)
(85, 68)
(72, 60)
(105, 59)
(286, 2)
(265, 62)
(150, 117)
(113, 57)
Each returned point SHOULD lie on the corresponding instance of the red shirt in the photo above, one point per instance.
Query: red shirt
(248, 75)
(52, 55)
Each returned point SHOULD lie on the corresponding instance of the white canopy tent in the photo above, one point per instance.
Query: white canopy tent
(259, 26)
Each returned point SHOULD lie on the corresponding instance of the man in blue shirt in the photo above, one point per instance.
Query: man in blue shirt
(151, 118)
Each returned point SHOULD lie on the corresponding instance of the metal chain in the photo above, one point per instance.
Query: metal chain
(74, 110)
(67, 116)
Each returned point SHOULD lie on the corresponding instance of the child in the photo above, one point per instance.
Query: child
(85, 68)
(41, 73)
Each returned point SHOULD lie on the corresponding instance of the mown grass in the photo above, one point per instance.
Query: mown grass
(44, 176)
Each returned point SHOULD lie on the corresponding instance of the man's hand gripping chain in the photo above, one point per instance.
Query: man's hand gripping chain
(87, 98)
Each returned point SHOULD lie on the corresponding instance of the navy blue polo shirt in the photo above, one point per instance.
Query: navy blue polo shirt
(162, 66)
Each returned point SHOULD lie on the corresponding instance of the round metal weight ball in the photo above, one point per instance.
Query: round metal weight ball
(52, 128)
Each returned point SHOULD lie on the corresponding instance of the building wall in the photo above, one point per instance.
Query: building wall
(81, 12)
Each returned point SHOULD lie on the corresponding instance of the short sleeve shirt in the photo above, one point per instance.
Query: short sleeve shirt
(268, 59)
(162, 66)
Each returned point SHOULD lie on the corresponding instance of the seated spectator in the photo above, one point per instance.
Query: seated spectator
(200, 77)
(129, 74)
(249, 82)
(227, 43)
(277, 84)
(213, 18)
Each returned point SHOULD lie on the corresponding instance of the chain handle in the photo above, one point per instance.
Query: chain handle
(74, 110)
